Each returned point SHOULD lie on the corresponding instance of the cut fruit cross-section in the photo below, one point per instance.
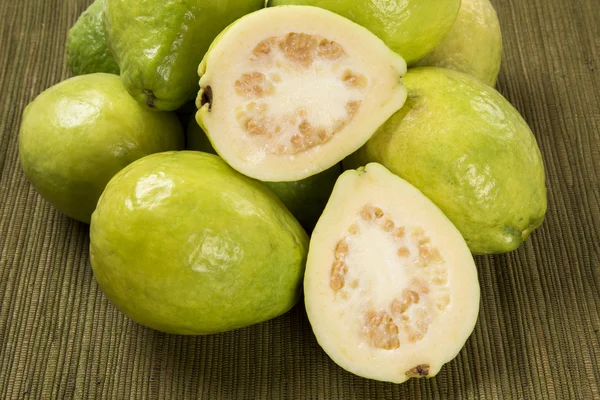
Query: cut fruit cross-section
(287, 92)
(391, 288)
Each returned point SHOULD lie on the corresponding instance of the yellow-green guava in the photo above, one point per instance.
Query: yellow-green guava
(390, 288)
(77, 134)
(473, 45)
(470, 151)
(288, 92)
(412, 28)
(305, 198)
(184, 244)
(158, 44)
(87, 50)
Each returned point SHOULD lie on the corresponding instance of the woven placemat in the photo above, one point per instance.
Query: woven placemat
(538, 333)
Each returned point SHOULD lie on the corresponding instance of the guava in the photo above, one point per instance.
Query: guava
(158, 44)
(470, 151)
(77, 134)
(305, 198)
(87, 50)
(473, 45)
(195, 138)
(390, 288)
(412, 28)
(287, 92)
(184, 244)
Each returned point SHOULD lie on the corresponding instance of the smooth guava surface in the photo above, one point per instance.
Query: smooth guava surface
(159, 44)
(87, 50)
(412, 28)
(77, 134)
(473, 45)
(470, 151)
(305, 199)
(182, 243)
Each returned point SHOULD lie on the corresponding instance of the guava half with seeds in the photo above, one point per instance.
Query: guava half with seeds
(470, 151)
(184, 244)
(412, 28)
(287, 92)
(305, 198)
(390, 288)
(473, 45)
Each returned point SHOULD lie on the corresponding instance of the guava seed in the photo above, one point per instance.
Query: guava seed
(299, 47)
(381, 330)
(403, 252)
(329, 50)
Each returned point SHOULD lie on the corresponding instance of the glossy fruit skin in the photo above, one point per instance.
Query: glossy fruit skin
(412, 28)
(77, 134)
(87, 50)
(473, 45)
(470, 151)
(159, 44)
(305, 198)
(182, 243)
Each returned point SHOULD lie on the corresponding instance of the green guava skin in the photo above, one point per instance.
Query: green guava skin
(473, 45)
(196, 139)
(87, 50)
(77, 134)
(184, 244)
(469, 150)
(159, 44)
(411, 28)
(306, 198)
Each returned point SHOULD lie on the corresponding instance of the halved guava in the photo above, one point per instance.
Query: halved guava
(288, 92)
(391, 288)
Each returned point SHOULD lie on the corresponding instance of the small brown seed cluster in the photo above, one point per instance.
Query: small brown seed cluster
(253, 85)
(329, 50)
(353, 79)
(301, 49)
(339, 268)
(381, 330)
(253, 118)
(263, 48)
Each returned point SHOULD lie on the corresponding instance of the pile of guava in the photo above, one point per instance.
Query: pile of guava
(233, 157)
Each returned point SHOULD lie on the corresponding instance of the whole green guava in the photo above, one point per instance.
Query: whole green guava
(306, 198)
(77, 134)
(473, 45)
(469, 150)
(412, 28)
(87, 50)
(159, 44)
(184, 244)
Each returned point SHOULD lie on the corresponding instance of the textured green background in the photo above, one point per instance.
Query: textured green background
(538, 334)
